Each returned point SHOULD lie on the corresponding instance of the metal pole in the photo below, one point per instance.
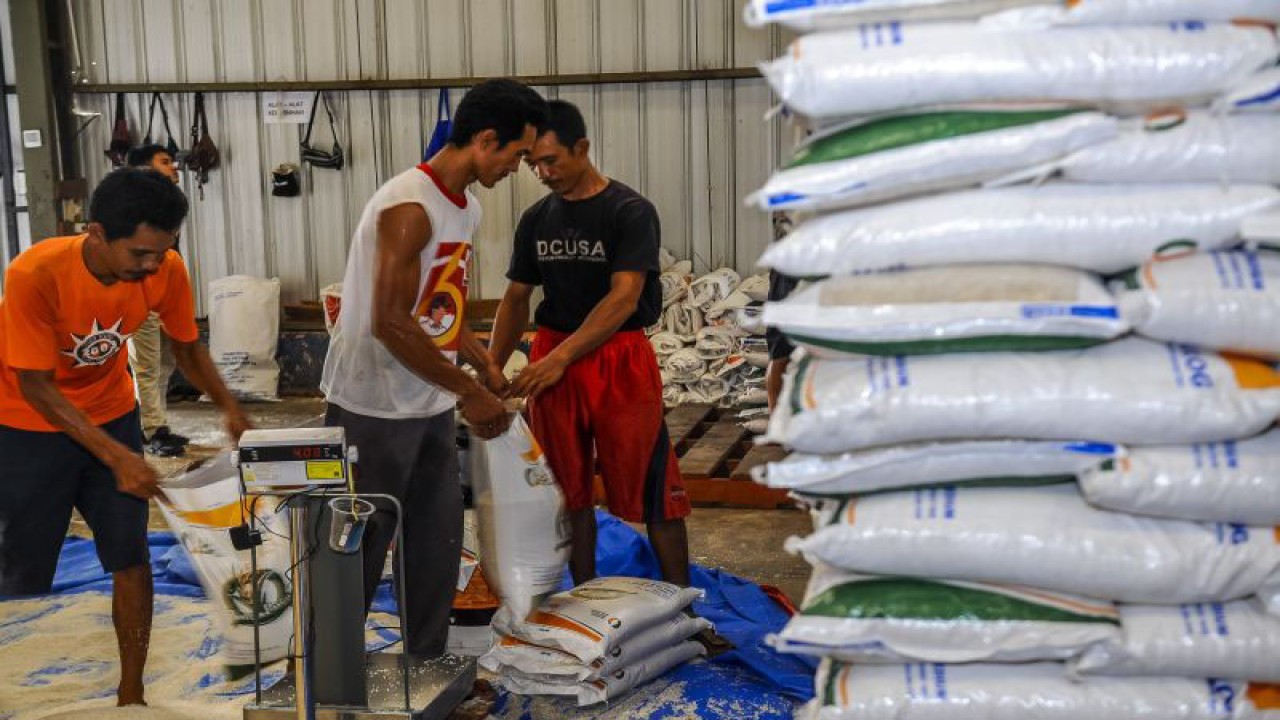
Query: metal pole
(301, 599)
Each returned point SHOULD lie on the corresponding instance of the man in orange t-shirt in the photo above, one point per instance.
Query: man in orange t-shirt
(69, 430)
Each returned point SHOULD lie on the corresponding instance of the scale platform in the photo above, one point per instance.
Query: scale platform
(436, 687)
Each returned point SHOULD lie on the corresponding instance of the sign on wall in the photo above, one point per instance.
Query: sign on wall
(286, 107)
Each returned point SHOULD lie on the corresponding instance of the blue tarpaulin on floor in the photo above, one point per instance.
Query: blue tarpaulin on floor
(754, 675)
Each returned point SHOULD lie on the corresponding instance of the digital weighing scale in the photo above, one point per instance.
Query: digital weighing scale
(335, 679)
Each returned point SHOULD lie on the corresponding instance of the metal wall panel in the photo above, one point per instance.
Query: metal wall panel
(694, 148)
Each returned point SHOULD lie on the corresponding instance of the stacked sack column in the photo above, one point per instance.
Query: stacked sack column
(1032, 417)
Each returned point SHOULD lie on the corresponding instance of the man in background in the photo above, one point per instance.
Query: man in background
(150, 355)
(593, 382)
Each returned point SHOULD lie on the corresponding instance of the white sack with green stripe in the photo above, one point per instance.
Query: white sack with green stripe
(976, 462)
(1233, 641)
(970, 308)
(1231, 481)
(1202, 148)
(869, 619)
(898, 156)
(1128, 391)
(1222, 300)
(1045, 537)
(1105, 229)
(868, 70)
(1032, 691)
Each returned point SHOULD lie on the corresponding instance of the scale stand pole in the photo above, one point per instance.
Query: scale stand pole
(301, 601)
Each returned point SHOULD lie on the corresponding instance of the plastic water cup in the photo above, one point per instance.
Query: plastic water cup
(348, 516)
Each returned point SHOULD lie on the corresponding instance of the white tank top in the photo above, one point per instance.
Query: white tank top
(360, 374)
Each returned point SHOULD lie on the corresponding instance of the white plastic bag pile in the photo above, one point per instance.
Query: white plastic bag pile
(1034, 412)
(710, 347)
(597, 641)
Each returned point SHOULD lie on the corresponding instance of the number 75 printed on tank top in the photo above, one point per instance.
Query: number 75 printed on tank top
(444, 295)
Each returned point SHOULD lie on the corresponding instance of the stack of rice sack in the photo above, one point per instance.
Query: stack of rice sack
(597, 641)
(710, 341)
(1033, 405)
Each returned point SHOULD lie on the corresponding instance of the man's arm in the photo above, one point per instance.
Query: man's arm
(509, 325)
(475, 354)
(196, 365)
(133, 474)
(604, 320)
(403, 232)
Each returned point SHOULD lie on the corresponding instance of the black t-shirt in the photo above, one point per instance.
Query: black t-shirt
(572, 248)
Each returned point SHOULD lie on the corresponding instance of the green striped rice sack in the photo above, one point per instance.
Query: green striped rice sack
(873, 619)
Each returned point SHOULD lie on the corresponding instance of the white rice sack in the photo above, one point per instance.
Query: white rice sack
(539, 663)
(1224, 300)
(614, 685)
(1105, 229)
(682, 320)
(861, 618)
(1043, 537)
(1159, 12)
(244, 332)
(950, 463)
(1033, 691)
(1202, 148)
(1258, 93)
(524, 532)
(201, 507)
(809, 15)
(1231, 481)
(713, 287)
(868, 70)
(1128, 391)
(950, 309)
(949, 161)
(685, 365)
(1232, 641)
(674, 287)
(596, 617)
(665, 343)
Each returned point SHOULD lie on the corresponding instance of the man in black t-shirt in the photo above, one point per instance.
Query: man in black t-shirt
(593, 384)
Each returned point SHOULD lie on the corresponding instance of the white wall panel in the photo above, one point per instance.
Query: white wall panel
(694, 148)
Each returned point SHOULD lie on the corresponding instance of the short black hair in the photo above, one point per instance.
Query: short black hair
(142, 156)
(129, 197)
(502, 105)
(565, 120)
(439, 301)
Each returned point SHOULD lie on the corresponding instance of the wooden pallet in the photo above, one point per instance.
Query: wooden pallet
(716, 456)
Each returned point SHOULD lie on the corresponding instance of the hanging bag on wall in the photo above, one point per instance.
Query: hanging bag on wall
(172, 145)
(333, 159)
(121, 140)
(444, 126)
(204, 154)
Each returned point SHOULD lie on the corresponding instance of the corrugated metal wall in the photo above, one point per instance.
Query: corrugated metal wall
(694, 148)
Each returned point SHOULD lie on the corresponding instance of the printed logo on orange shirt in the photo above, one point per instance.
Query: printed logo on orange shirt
(444, 297)
(98, 346)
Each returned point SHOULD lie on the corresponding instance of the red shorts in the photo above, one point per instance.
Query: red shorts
(610, 400)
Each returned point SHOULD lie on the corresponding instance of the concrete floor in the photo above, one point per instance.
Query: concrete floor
(744, 542)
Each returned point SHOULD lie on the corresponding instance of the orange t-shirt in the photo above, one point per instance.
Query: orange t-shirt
(55, 315)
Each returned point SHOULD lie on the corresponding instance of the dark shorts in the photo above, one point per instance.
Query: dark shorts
(44, 476)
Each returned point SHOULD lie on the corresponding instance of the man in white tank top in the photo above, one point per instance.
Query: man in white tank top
(391, 376)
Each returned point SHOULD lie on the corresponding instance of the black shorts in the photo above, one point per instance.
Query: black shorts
(46, 474)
